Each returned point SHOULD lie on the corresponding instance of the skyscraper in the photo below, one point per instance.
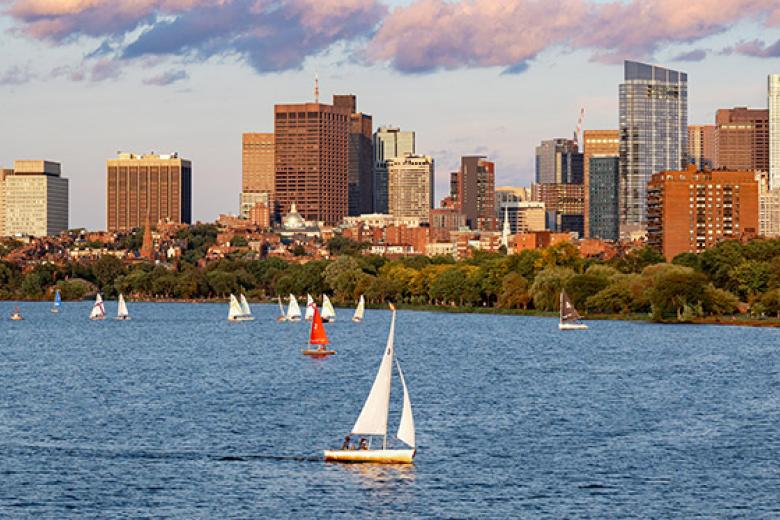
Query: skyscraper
(742, 139)
(157, 185)
(604, 143)
(257, 171)
(389, 143)
(312, 160)
(702, 146)
(34, 199)
(558, 161)
(360, 193)
(473, 188)
(410, 187)
(653, 135)
(604, 187)
(774, 130)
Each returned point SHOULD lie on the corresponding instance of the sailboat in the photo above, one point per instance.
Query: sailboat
(234, 309)
(570, 318)
(328, 312)
(309, 307)
(246, 312)
(318, 337)
(372, 420)
(122, 313)
(360, 311)
(17, 314)
(55, 309)
(293, 309)
(98, 310)
(282, 316)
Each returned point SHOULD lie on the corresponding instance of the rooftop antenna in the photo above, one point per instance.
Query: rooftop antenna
(316, 87)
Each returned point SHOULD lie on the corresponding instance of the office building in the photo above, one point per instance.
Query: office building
(410, 187)
(4, 172)
(257, 171)
(602, 143)
(702, 146)
(34, 199)
(511, 194)
(603, 200)
(564, 206)
(558, 161)
(389, 143)
(473, 190)
(523, 217)
(653, 135)
(690, 211)
(774, 130)
(312, 160)
(768, 207)
(360, 177)
(444, 221)
(742, 139)
(159, 186)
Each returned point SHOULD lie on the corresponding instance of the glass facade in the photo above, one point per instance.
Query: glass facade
(389, 143)
(774, 131)
(653, 135)
(604, 196)
(558, 161)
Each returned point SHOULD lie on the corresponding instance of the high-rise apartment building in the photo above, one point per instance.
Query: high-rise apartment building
(653, 135)
(602, 143)
(604, 188)
(410, 187)
(564, 206)
(157, 186)
(257, 171)
(473, 189)
(742, 139)
(34, 199)
(312, 160)
(389, 143)
(768, 207)
(360, 179)
(558, 161)
(690, 211)
(702, 146)
(4, 172)
(774, 130)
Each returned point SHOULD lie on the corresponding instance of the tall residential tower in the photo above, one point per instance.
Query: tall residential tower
(774, 131)
(389, 143)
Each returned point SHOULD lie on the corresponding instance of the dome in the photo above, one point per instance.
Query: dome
(293, 220)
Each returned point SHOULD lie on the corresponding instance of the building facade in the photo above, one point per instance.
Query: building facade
(34, 199)
(742, 139)
(523, 217)
(604, 143)
(702, 146)
(690, 211)
(558, 161)
(603, 201)
(774, 130)
(768, 207)
(312, 160)
(159, 186)
(389, 143)
(653, 135)
(473, 190)
(564, 206)
(360, 179)
(410, 187)
(257, 170)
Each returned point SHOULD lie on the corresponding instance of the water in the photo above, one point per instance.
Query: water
(180, 414)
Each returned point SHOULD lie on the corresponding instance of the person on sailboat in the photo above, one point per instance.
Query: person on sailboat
(363, 444)
(347, 443)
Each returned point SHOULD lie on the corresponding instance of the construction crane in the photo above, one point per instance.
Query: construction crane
(578, 131)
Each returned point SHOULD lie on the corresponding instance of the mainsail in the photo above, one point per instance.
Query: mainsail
(293, 310)
(234, 311)
(57, 299)
(281, 307)
(361, 309)
(406, 426)
(318, 336)
(245, 310)
(328, 312)
(568, 312)
(98, 310)
(122, 309)
(309, 307)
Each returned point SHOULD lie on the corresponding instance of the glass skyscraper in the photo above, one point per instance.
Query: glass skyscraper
(389, 143)
(774, 131)
(604, 196)
(653, 135)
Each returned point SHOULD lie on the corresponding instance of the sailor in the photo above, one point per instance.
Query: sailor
(347, 442)
(363, 444)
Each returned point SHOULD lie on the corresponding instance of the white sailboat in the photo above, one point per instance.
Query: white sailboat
(234, 310)
(282, 316)
(309, 307)
(293, 309)
(122, 313)
(570, 318)
(360, 311)
(246, 312)
(98, 309)
(372, 420)
(55, 309)
(328, 312)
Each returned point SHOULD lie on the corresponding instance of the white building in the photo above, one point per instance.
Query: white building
(768, 208)
(774, 130)
(523, 217)
(389, 143)
(410, 187)
(35, 199)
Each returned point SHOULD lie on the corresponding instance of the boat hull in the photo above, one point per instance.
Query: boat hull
(16, 317)
(100, 318)
(122, 318)
(318, 353)
(371, 456)
(572, 326)
(357, 320)
(242, 318)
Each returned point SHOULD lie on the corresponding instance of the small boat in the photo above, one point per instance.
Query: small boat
(122, 314)
(98, 309)
(17, 314)
(318, 337)
(328, 312)
(372, 420)
(293, 309)
(282, 316)
(360, 311)
(309, 307)
(235, 312)
(246, 312)
(55, 309)
(570, 318)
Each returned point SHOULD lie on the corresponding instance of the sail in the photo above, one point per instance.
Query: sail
(309, 307)
(235, 308)
(245, 310)
(318, 336)
(568, 312)
(122, 310)
(57, 299)
(373, 418)
(328, 312)
(293, 310)
(98, 310)
(281, 307)
(406, 427)
(361, 309)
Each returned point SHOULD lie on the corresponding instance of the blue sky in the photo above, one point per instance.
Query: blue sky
(61, 100)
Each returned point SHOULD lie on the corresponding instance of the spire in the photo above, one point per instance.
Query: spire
(507, 231)
(316, 87)
(147, 248)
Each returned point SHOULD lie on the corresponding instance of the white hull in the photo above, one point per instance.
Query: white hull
(122, 318)
(371, 456)
(97, 318)
(357, 320)
(55, 311)
(572, 326)
(242, 318)
(294, 319)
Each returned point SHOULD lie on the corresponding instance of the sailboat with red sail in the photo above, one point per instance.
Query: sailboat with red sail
(318, 338)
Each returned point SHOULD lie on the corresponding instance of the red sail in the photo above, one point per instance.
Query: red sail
(318, 336)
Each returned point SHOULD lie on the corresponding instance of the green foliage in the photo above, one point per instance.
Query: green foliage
(238, 241)
(75, 289)
(674, 289)
(514, 292)
(340, 245)
(635, 261)
(342, 276)
(580, 287)
(547, 286)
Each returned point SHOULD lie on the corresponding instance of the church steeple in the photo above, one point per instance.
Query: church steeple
(506, 232)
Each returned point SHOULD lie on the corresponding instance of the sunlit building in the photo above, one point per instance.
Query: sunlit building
(389, 143)
(257, 171)
(34, 199)
(602, 143)
(410, 186)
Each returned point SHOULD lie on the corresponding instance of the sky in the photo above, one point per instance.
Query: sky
(83, 79)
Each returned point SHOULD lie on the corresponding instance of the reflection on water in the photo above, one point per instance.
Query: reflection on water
(380, 477)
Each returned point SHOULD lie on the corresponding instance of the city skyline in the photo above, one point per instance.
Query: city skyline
(503, 111)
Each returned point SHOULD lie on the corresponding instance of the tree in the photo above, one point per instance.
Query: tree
(106, 270)
(342, 276)
(719, 301)
(238, 241)
(448, 287)
(688, 260)
(580, 287)
(636, 260)
(547, 286)
(222, 283)
(514, 292)
(750, 278)
(770, 302)
(564, 254)
(340, 245)
(675, 290)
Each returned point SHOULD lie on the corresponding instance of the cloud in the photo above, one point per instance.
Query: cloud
(694, 55)
(757, 49)
(16, 75)
(167, 78)
(517, 68)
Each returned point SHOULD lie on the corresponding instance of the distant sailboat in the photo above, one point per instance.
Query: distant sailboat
(122, 313)
(293, 309)
(98, 310)
(318, 337)
(17, 314)
(309, 307)
(234, 309)
(246, 312)
(55, 309)
(570, 318)
(328, 312)
(282, 317)
(360, 311)
(372, 420)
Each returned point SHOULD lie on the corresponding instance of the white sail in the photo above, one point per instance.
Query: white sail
(121, 311)
(406, 426)
(98, 310)
(281, 307)
(245, 310)
(373, 418)
(309, 307)
(328, 312)
(234, 311)
(361, 309)
(293, 310)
